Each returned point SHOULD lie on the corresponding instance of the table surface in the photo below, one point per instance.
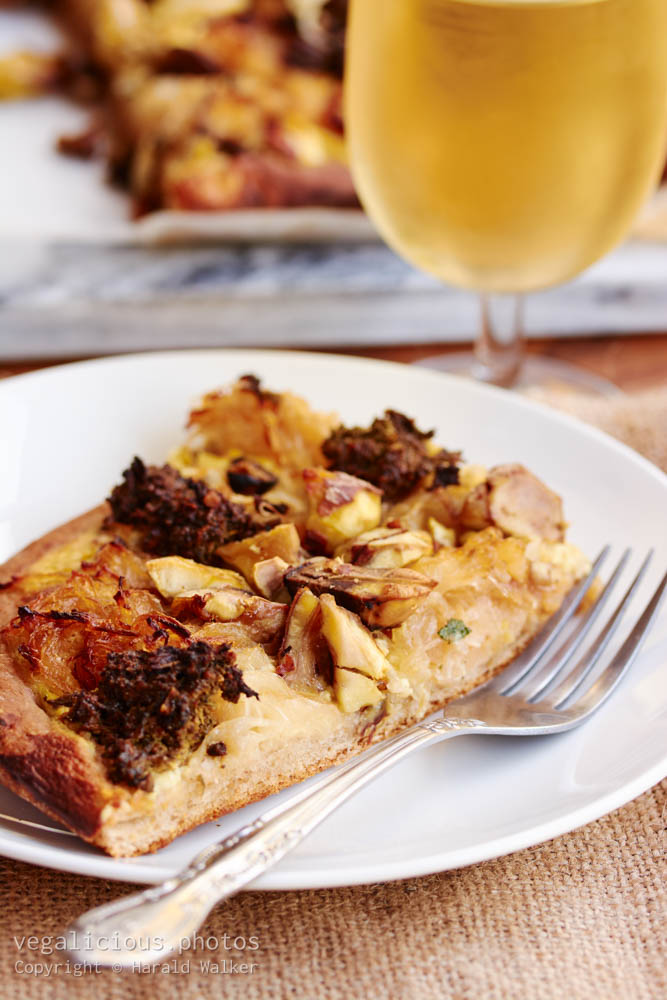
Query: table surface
(634, 363)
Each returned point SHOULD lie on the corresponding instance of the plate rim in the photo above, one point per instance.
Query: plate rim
(314, 876)
(315, 356)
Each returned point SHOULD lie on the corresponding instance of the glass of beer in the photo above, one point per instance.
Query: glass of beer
(505, 145)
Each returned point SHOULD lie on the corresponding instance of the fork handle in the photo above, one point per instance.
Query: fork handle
(146, 926)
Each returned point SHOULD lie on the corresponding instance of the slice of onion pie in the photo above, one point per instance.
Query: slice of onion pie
(285, 591)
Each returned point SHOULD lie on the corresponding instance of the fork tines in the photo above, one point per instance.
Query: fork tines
(547, 669)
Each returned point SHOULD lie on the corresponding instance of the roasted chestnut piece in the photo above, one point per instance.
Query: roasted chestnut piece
(383, 598)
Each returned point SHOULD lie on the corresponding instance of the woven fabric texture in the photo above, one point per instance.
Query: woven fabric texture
(584, 916)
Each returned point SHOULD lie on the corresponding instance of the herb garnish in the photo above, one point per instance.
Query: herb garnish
(454, 630)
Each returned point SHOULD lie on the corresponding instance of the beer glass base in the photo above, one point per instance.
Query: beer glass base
(536, 374)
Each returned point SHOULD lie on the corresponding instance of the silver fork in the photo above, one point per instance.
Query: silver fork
(542, 691)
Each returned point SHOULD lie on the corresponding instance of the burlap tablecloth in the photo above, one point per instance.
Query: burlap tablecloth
(584, 916)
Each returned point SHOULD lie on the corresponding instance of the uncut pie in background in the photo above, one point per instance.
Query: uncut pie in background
(205, 104)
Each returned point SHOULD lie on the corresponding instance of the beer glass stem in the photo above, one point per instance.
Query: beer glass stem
(498, 349)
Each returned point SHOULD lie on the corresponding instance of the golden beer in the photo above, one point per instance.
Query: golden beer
(505, 146)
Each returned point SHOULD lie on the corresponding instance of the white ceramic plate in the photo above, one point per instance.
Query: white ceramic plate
(67, 434)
